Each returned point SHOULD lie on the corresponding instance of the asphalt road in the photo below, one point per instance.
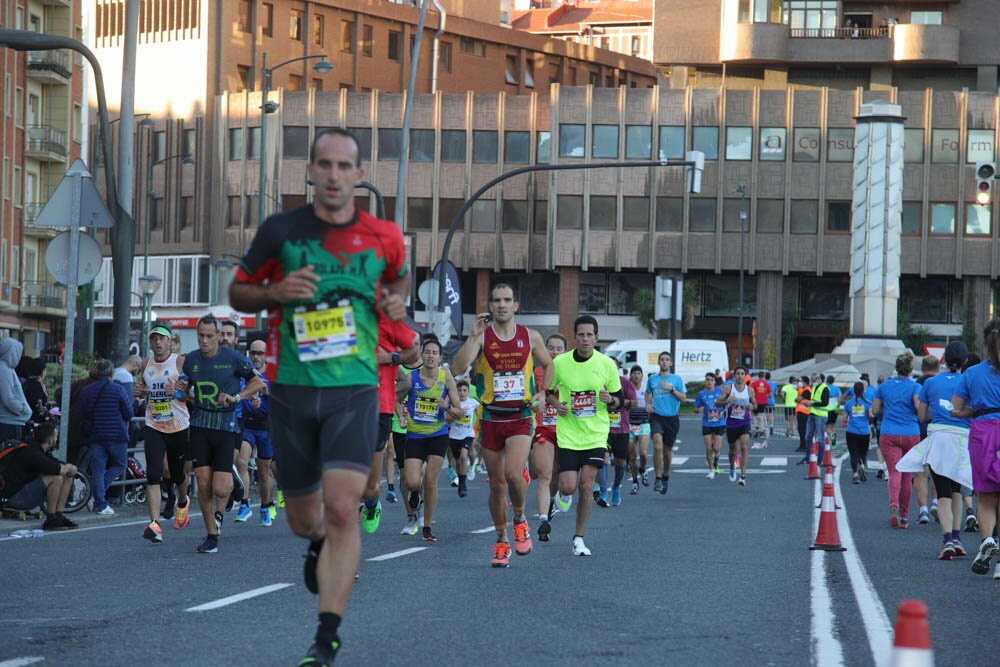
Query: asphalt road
(709, 574)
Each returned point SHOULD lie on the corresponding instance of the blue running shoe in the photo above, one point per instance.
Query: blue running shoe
(616, 496)
(244, 513)
(265, 516)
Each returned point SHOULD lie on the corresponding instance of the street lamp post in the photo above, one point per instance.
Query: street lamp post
(266, 107)
(149, 286)
(742, 192)
(151, 196)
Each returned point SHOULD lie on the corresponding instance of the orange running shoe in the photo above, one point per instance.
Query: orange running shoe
(522, 539)
(501, 555)
(182, 516)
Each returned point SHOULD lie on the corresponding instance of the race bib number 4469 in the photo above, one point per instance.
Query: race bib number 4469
(584, 403)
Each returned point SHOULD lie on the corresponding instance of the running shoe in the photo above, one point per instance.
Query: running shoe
(320, 654)
(971, 524)
(616, 496)
(716, 469)
(934, 514)
(182, 516)
(481, 468)
(544, 528)
(904, 523)
(732, 475)
(579, 548)
(552, 507)
(168, 508)
(522, 538)
(274, 512)
(635, 489)
(924, 517)
(371, 517)
(959, 549)
(564, 502)
(472, 472)
(53, 522)
(452, 477)
(856, 478)
(597, 495)
(658, 486)
(988, 547)
(463, 489)
(526, 474)
(428, 536)
(645, 478)
(947, 552)
(390, 496)
(501, 555)
(663, 488)
(107, 511)
(219, 516)
(880, 474)
(153, 533)
(244, 513)
(309, 566)
(894, 516)
(862, 473)
(265, 516)
(280, 498)
(710, 475)
(411, 527)
(743, 480)
(602, 499)
(210, 545)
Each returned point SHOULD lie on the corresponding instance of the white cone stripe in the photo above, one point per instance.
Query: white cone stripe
(828, 504)
(912, 657)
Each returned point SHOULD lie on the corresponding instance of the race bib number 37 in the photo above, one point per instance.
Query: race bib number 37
(325, 333)
(508, 386)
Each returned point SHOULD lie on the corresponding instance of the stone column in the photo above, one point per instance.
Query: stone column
(877, 208)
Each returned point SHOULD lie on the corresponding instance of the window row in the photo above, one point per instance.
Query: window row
(186, 280)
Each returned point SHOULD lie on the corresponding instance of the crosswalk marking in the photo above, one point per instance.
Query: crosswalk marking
(774, 461)
(680, 460)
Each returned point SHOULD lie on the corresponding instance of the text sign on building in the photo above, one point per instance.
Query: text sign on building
(980, 147)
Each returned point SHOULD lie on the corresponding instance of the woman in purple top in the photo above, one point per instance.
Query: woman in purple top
(896, 401)
(978, 397)
(738, 400)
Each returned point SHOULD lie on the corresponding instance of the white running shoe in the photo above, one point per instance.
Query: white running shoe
(579, 548)
(710, 475)
(733, 475)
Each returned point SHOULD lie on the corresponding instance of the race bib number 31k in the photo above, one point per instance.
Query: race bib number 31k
(584, 403)
(324, 332)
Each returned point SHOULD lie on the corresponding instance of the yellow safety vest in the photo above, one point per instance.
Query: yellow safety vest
(819, 410)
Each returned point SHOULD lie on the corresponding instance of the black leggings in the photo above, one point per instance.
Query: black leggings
(802, 420)
(857, 445)
(945, 486)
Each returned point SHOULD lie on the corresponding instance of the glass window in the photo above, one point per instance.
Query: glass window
(806, 148)
(394, 45)
(772, 143)
(389, 143)
(295, 25)
(638, 142)
(910, 223)
(942, 218)
(517, 147)
(739, 143)
(622, 288)
(605, 141)
(913, 145)
(593, 293)
(453, 143)
(543, 151)
(977, 220)
(235, 143)
(925, 299)
(515, 215)
(636, 213)
(770, 215)
(569, 214)
(944, 146)
(541, 221)
(825, 299)
(706, 140)
(603, 212)
(927, 18)
(447, 210)
(422, 145)
(671, 142)
(185, 279)
(980, 147)
(529, 74)
(840, 145)
(721, 296)
(419, 214)
(159, 145)
(267, 19)
(803, 216)
(295, 143)
(735, 215)
(571, 140)
(235, 211)
(190, 142)
(444, 56)
(346, 35)
(511, 70)
(669, 214)
(367, 40)
(838, 216)
(363, 135)
(484, 145)
(534, 292)
(484, 214)
(702, 215)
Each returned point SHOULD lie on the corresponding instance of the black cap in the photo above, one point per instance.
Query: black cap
(956, 352)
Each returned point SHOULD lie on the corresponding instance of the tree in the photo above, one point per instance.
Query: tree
(913, 337)
(644, 305)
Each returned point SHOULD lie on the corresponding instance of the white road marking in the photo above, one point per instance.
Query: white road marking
(483, 531)
(774, 461)
(680, 460)
(239, 597)
(827, 650)
(21, 662)
(877, 624)
(724, 472)
(397, 554)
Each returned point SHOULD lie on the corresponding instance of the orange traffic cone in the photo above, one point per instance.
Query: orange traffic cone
(828, 479)
(828, 537)
(911, 645)
(813, 467)
(827, 456)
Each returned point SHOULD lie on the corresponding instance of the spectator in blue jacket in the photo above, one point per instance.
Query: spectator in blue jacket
(107, 406)
(14, 408)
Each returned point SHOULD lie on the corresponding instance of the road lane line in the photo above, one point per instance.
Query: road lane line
(239, 597)
(827, 650)
(680, 460)
(483, 531)
(21, 662)
(397, 554)
(776, 461)
(873, 614)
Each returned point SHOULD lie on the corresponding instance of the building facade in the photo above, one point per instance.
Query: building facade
(43, 128)
(622, 26)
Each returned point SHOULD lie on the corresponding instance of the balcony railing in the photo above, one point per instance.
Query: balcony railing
(46, 140)
(38, 294)
(841, 33)
(55, 64)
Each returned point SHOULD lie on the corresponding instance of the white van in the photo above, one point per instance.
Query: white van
(693, 357)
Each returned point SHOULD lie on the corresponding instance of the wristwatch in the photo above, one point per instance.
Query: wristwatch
(395, 359)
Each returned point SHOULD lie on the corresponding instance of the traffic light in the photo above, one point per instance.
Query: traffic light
(985, 174)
